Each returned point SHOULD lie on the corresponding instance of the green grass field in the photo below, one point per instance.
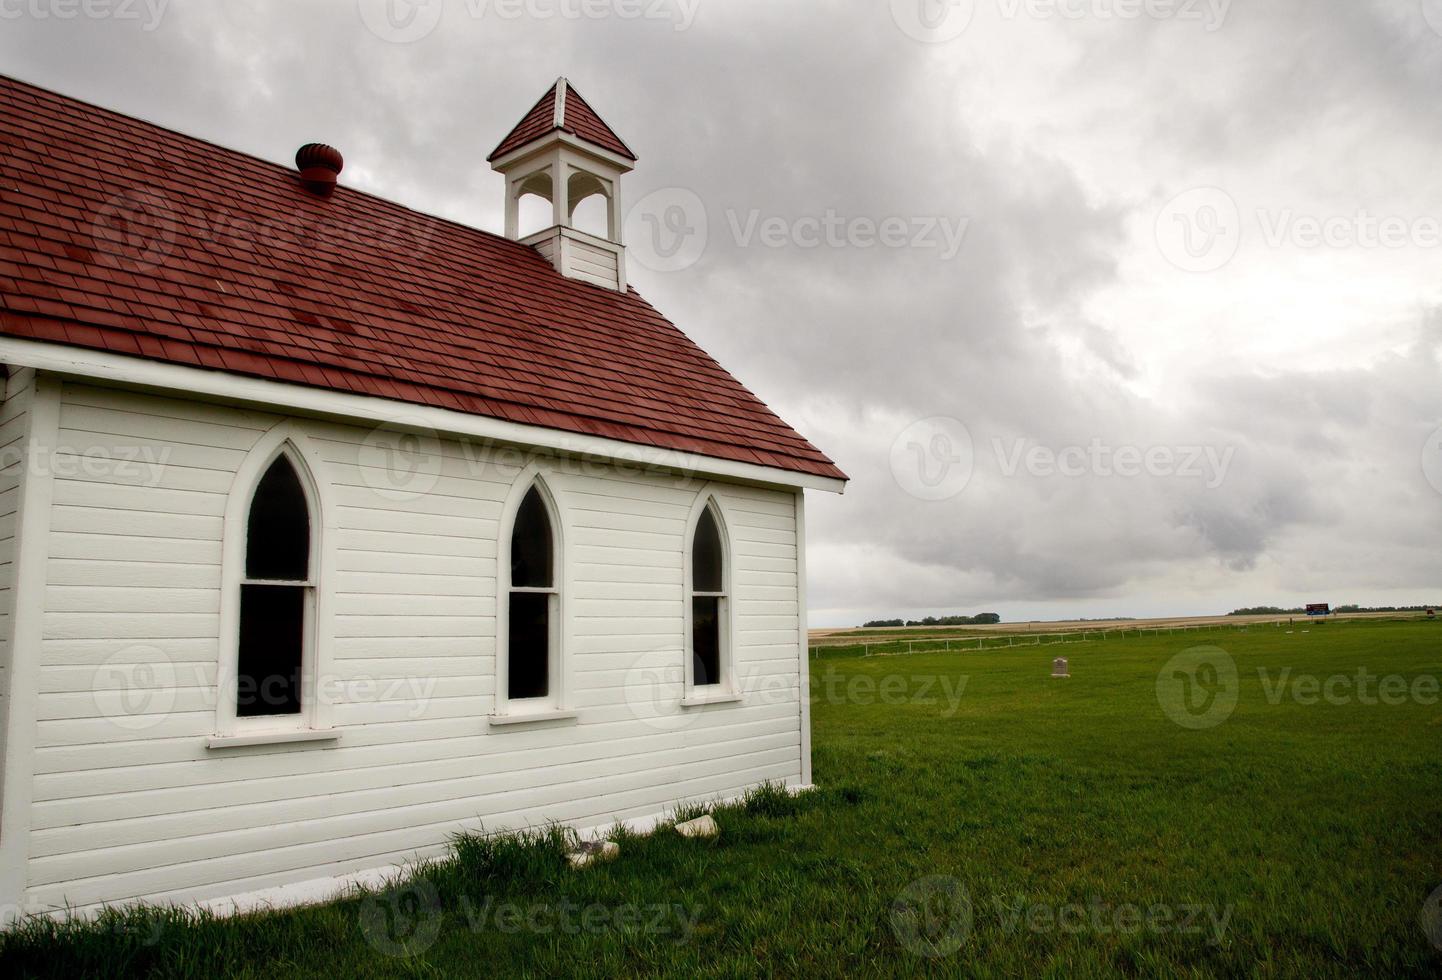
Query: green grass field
(975, 818)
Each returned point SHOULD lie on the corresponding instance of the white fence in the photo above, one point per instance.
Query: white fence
(1001, 641)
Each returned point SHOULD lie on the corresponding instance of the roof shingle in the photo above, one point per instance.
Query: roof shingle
(563, 108)
(120, 235)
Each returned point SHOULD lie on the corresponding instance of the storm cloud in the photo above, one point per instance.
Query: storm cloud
(1108, 308)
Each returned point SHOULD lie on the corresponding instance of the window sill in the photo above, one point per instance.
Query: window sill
(720, 697)
(272, 738)
(531, 717)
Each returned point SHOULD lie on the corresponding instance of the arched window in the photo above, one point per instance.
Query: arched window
(277, 596)
(533, 603)
(709, 613)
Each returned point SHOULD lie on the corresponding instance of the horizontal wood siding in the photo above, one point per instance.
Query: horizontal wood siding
(137, 806)
(590, 262)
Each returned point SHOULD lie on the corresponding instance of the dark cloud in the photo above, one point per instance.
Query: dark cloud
(1055, 324)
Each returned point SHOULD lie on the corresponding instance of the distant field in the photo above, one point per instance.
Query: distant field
(1189, 804)
(840, 635)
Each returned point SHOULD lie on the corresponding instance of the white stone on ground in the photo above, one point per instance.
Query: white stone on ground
(704, 826)
(593, 851)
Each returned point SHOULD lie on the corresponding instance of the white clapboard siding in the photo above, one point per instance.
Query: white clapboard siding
(276, 864)
(133, 803)
(304, 816)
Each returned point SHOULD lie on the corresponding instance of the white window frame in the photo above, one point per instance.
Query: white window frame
(314, 720)
(555, 705)
(727, 690)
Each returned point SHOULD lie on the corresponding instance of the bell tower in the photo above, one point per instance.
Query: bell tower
(563, 152)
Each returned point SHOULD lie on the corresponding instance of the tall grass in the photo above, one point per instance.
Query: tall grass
(1301, 833)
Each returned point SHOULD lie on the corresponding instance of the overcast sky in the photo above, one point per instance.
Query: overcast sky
(1108, 307)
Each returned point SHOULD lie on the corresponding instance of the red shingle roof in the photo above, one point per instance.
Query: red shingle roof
(562, 108)
(118, 235)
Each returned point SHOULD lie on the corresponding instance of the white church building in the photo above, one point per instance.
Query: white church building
(329, 529)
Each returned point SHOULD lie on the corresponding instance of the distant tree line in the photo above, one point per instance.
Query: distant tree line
(1279, 611)
(982, 619)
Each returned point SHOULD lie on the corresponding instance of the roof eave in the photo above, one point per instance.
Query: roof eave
(626, 164)
(137, 372)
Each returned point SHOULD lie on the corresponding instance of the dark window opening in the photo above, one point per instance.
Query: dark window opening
(533, 588)
(531, 549)
(271, 650)
(708, 600)
(530, 642)
(705, 641)
(277, 540)
(272, 632)
(706, 555)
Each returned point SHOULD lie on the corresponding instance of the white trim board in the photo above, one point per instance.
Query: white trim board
(117, 369)
(32, 558)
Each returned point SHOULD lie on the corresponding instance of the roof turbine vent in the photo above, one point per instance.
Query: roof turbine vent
(319, 166)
